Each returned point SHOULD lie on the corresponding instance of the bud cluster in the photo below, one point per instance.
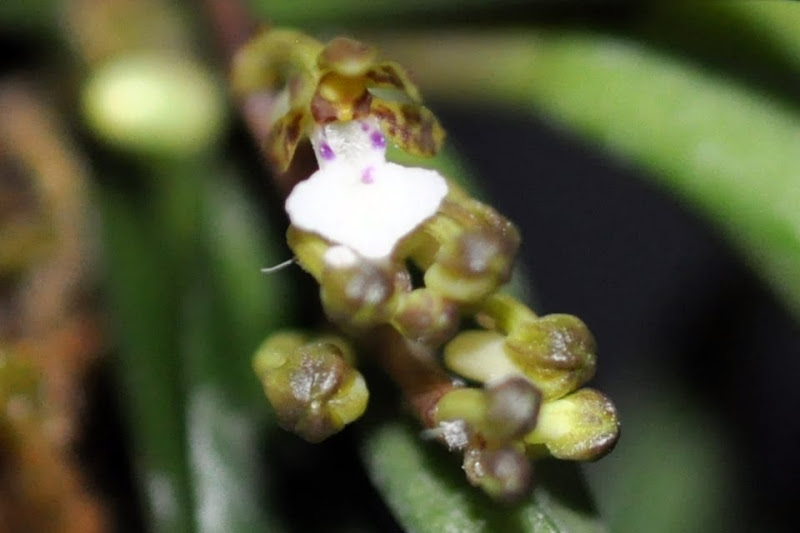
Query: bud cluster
(532, 369)
(406, 249)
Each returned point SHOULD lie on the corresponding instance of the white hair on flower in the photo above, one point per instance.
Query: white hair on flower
(357, 198)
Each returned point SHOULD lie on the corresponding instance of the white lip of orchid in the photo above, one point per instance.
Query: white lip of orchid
(358, 199)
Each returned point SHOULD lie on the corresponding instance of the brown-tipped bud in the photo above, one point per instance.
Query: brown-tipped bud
(503, 473)
(582, 426)
(476, 250)
(470, 267)
(358, 292)
(512, 409)
(557, 352)
(424, 316)
(311, 386)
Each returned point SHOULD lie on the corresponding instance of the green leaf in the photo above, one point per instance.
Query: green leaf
(222, 433)
(28, 14)
(237, 242)
(306, 13)
(227, 306)
(142, 301)
(671, 471)
(726, 149)
(427, 491)
(190, 307)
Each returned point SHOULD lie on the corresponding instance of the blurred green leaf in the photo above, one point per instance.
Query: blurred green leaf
(229, 307)
(142, 301)
(27, 14)
(316, 12)
(192, 306)
(670, 472)
(222, 433)
(728, 150)
(237, 242)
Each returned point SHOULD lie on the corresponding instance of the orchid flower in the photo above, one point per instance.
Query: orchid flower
(357, 198)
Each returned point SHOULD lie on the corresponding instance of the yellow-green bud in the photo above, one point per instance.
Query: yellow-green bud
(582, 426)
(360, 294)
(469, 268)
(476, 250)
(557, 352)
(310, 384)
(154, 104)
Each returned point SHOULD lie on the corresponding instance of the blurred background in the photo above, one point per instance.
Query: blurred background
(649, 156)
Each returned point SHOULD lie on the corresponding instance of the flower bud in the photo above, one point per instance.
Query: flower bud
(311, 386)
(469, 268)
(582, 426)
(503, 473)
(424, 316)
(358, 292)
(557, 352)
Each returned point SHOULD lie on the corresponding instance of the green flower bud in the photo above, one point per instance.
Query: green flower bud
(469, 268)
(557, 352)
(582, 426)
(310, 384)
(424, 316)
(503, 473)
(154, 104)
(360, 293)
(475, 252)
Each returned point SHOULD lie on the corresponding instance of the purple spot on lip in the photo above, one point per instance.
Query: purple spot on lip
(326, 152)
(366, 176)
(364, 126)
(378, 140)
